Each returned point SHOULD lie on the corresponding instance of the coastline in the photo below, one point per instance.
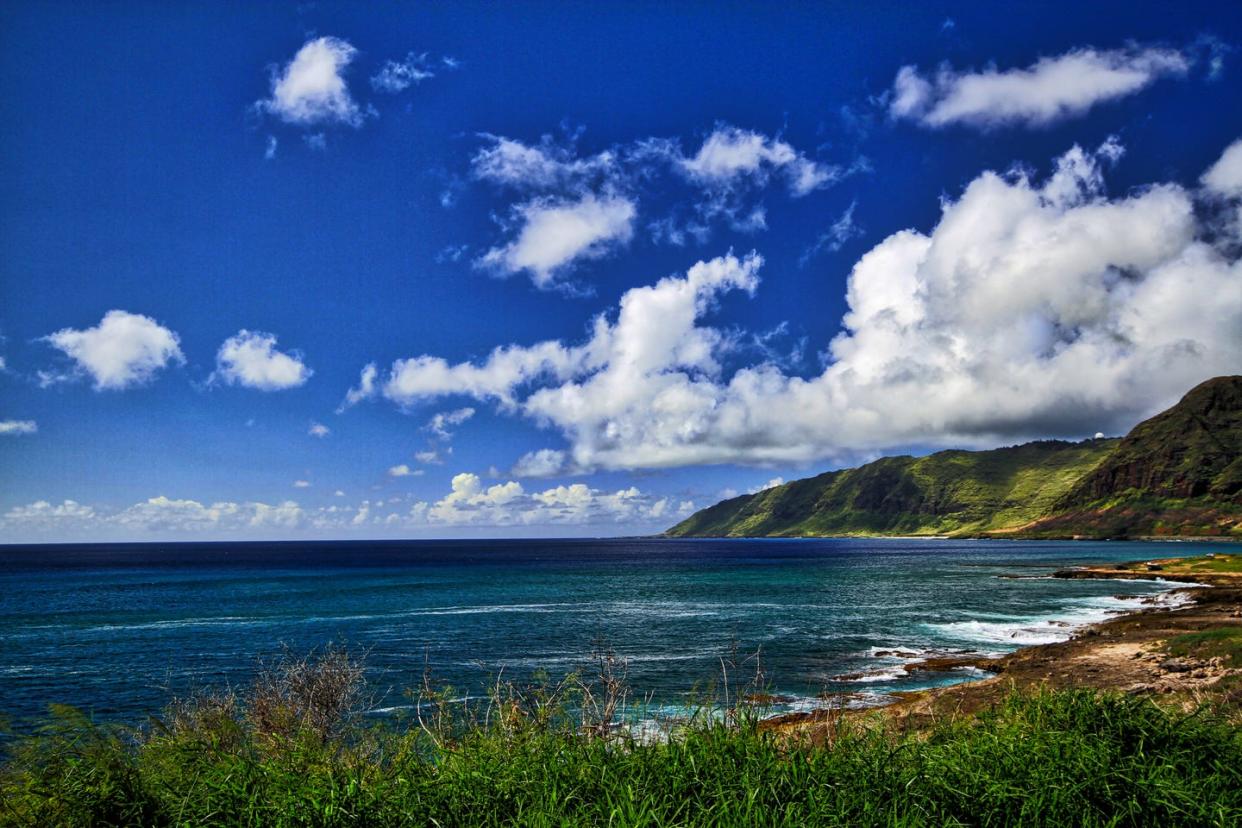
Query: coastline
(1129, 653)
(997, 535)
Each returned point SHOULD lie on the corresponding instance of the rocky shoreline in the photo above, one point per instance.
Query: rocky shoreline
(1130, 653)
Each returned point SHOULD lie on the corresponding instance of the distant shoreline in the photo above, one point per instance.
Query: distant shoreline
(994, 537)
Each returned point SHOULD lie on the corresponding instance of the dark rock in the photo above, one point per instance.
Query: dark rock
(1172, 665)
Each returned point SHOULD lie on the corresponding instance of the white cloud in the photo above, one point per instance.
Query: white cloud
(541, 463)
(269, 151)
(397, 76)
(311, 88)
(470, 503)
(250, 359)
(123, 350)
(18, 427)
(301, 484)
(43, 515)
(1032, 308)
(771, 484)
(730, 153)
(429, 456)
(655, 331)
(554, 233)
(163, 514)
(543, 166)
(1224, 178)
(1049, 90)
(318, 430)
(365, 389)
(834, 238)
(157, 515)
(1222, 184)
(505, 370)
(440, 423)
(404, 470)
(582, 206)
(338, 493)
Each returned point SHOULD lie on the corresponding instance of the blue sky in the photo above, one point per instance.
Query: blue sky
(426, 270)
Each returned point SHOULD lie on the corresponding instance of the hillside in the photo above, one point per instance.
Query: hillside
(1179, 472)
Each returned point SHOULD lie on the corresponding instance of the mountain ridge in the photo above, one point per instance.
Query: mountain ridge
(1178, 473)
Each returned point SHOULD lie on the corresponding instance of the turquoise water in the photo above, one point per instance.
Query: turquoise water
(115, 629)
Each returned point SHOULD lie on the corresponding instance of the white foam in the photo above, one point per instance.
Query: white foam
(894, 652)
(878, 675)
(175, 623)
(1053, 627)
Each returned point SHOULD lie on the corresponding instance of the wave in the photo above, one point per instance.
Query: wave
(174, 623)
(889, 674)
(1051, 628)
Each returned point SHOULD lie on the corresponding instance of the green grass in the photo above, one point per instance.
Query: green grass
(1222, 642)
(1221, 563)
(1070, 758)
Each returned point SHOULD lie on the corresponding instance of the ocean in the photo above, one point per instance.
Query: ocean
(116, 629)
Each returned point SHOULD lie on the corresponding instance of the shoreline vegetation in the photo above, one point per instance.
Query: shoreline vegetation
(1133, 721)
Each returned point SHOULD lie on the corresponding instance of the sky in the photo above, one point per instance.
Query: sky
(316, 270)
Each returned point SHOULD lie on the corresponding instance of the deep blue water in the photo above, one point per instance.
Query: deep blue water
(114, 629)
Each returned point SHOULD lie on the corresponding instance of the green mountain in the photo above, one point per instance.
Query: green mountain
(1179, 473)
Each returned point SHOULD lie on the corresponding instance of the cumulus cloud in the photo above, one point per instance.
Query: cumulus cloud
(578, 207)
(403, 470)
(771, 484)
(318, 430)
(301, 484)
(553, 233)
(157, 515)
(250, 359)
(655, 331)
(311, 88)
(729, 154)
(470, 503)
(398, 75)
(541, 166)
(18, 427)
(541, 463)
(467, 504)
(504, 371)
(123, 350)
(1051, 89)
(163, 514)
(1222, 184)
(44, 515)
(1032, 308)
(1224, 178)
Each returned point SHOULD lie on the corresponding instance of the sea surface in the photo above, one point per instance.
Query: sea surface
(115, 629)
